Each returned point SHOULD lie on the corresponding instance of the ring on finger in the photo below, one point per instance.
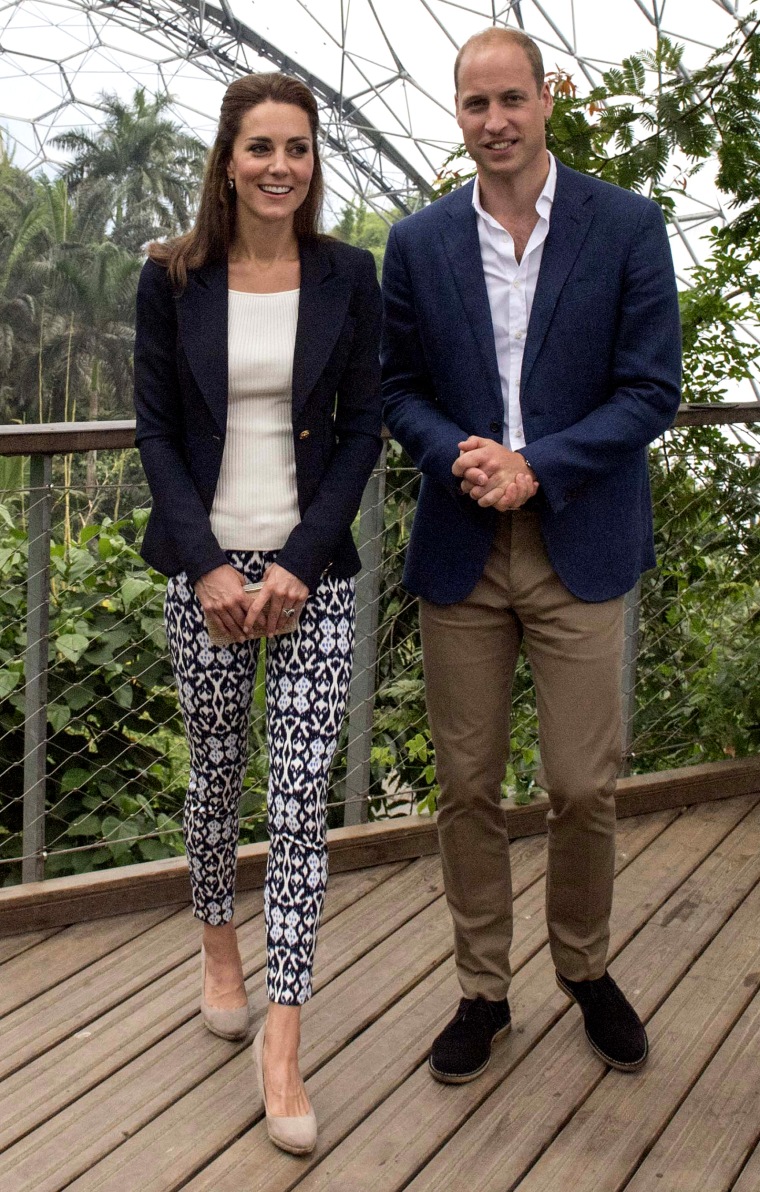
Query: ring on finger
(288, 612)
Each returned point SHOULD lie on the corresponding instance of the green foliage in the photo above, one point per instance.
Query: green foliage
(365, 229)
(698, 680)
(110, 693)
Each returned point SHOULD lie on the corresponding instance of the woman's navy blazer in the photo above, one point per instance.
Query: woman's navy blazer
(181, 405)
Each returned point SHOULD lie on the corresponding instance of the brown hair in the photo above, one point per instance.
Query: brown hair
(212, 234)
(497, 34)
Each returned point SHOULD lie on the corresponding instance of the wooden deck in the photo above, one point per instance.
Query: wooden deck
(109, 1080)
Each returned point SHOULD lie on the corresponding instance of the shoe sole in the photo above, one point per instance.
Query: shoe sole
(619, 1065)
(291, 1150)
(227, 1035)
(456, 1078)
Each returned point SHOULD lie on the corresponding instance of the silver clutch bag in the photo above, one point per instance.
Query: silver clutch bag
(219, 637)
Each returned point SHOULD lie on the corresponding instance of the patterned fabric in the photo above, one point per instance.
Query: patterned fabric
(307, 679)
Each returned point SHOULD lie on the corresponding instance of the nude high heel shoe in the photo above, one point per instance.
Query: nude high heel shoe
(227, 1024)
(296, 1135)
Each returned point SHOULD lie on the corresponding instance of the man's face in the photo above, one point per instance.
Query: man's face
(500, 111)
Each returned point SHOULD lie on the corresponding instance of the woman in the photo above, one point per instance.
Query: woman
(247, 329)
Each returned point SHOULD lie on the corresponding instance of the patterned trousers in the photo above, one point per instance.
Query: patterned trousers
(307, 679)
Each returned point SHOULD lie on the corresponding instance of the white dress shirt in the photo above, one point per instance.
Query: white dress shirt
(511, 290)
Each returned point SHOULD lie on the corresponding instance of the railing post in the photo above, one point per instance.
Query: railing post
(36, 667)
(631, 622)
(362, 694)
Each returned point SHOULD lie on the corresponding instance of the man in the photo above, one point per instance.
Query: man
(531, 353)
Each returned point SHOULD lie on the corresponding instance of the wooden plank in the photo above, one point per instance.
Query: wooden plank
(222, 1103)
(38, 905)
(621, 1119)
(70, 1059)
(634, 836)
(68, 952)
(60, 438)
(365, 1072)
(197, 1122)
(85, 996)
(707, 1142)
(537, 1098)
(40, 1089)
(687, 786)
(132, 1096)
(154, 883)
(14, 945)
(749, 1180)
(738, 413)
(391, 1145)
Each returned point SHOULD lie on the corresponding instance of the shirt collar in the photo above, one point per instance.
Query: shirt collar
(544, 202)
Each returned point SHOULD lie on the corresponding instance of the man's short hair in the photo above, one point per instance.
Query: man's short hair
(498, 35)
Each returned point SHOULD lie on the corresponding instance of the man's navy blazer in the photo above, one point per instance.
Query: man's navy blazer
(181, 405)
(600, 380)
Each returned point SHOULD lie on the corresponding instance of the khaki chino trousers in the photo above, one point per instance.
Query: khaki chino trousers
(470, 651)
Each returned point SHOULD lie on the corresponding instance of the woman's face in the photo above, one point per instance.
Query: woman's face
(272, 161)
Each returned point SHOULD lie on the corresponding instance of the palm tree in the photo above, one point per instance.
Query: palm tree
(87, 354)
(22, 232)
(70, 252)
(43, 233)
(152, 167)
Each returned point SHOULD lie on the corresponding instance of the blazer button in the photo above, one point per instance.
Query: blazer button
(495, 427)
(304, 434)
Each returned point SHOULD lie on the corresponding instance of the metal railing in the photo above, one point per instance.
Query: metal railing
(92, 756)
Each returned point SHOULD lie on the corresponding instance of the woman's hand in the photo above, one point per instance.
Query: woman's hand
(282, 590)
(223, 600)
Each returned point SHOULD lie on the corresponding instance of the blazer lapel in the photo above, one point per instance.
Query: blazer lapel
(322, 308)
(460, 237)
(572, 212)
(202, 318)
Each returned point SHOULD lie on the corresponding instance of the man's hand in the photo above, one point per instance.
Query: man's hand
(282, 590)
(493, 475)
(223, 600)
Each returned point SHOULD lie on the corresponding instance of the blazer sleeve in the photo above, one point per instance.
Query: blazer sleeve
(310, 546)
(646, 377)
(410, 409)
(158, 407)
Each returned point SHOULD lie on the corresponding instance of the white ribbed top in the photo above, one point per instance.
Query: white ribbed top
(256, 502)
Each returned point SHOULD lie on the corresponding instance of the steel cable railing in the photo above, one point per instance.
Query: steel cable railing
(110, 761)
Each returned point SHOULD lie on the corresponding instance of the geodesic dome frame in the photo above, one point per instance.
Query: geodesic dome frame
(381, 70)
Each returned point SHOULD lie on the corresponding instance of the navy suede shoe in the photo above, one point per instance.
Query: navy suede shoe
(463, 1049)
(613, 1028)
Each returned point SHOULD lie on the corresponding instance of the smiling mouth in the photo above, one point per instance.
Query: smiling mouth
(276, 190)
(507, 143)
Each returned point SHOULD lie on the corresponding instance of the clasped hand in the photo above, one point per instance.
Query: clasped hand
(493, 475)
(226, 606)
